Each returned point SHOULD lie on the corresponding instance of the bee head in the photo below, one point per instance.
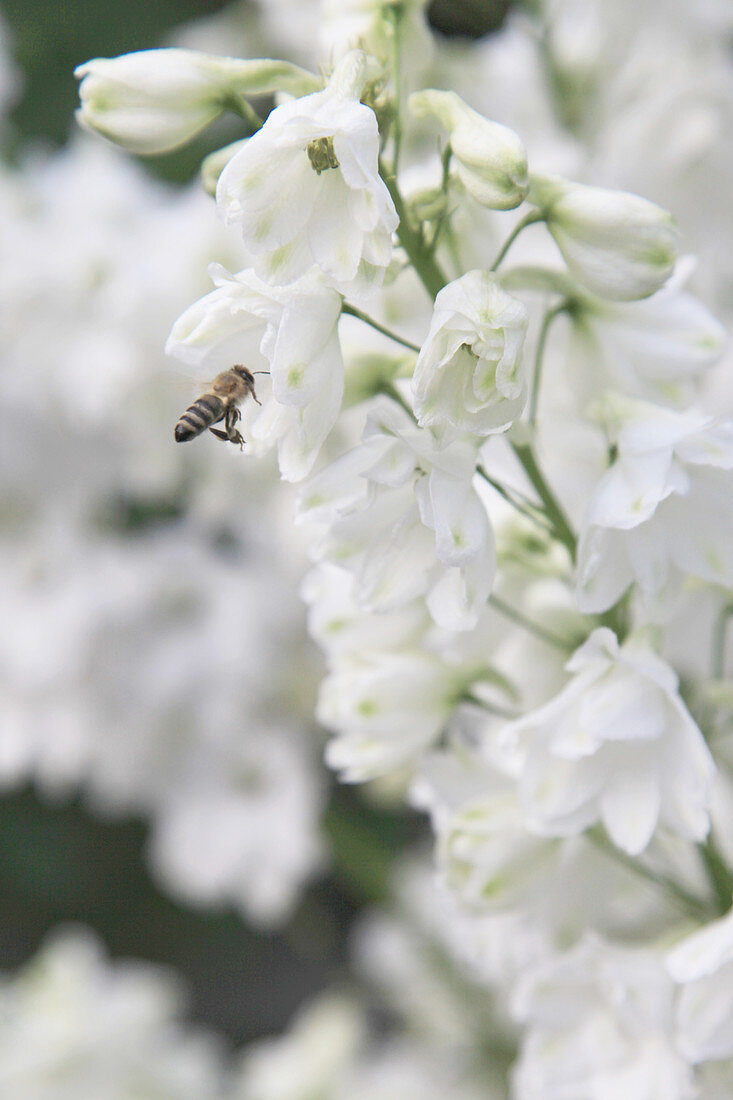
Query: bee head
(244, 373)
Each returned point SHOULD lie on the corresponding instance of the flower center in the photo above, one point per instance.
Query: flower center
(321, 154)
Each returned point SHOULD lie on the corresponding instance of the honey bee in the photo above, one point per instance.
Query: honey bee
(220, 402)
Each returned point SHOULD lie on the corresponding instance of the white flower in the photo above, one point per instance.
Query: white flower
(485, 852)
(665, 501)
(242, 826)
(703, 965)
(599, 1028)
(617, 745)
(394, 678)
(404, 518)
(77, 1026)
(289, 333)
(491, 160)
(310, 1059)
(656, 349)
(616, 244)
(306, 190)
(387, 709)
(495, 865)
(344, 629)
(469, 372)
(155, 100)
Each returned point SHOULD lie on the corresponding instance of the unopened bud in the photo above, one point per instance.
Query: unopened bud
(490, 159)
(616, 244)
(156, 100)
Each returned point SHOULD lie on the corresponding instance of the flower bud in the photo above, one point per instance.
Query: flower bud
(491, 161)
(155, 100)
(616, 244)
(469, 372)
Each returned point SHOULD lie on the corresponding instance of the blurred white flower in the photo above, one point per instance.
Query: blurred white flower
(490, 159)
(469, 372)
(617, 745)
(616, 244)
(403, 517)
(702, 964)
(240, 825)
(289, 333)
(74, 1026)
(372, 25)
(311, 1059)
(153, 101)
(305, 189)
(663, 503)
(658, 349)
(599, 1026)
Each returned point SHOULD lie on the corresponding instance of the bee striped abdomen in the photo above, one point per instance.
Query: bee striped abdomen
(199, 416)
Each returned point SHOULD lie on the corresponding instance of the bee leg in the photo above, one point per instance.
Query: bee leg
(219, 435)
(232, 416)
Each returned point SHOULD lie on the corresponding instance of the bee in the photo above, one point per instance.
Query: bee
(220, 402)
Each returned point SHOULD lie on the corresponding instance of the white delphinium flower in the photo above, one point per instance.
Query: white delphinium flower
(491, 161)
(328, 1052)
(289, 333)
(311, 1059)
(469, 372)
(153, 101)
(485, 851)
(240, 825)
(305, 189)
(618, 245)
(75, 1026)
(393, 678)
(599, 1026)
(617, 745)
(702, 964)
(657, 348)
(387, 708)
(404, 518)
(489, 858)
(664, 502)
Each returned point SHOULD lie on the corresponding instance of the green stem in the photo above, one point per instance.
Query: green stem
(719, 639)
(694, 905)
(245, 110)
(428, 270)
(517, 500)
(354, 312)
(534, 628)
(554, 512)
(396, 76)
(719, 875)
(492, 708)
(528, 219)
(394, 394)
(547, 320)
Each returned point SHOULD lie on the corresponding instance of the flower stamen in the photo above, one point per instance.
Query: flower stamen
(321, 154)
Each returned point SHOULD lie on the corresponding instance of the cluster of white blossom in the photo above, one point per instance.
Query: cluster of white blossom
(148, 615)
(502, 386)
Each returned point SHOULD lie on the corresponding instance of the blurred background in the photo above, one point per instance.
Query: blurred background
(150, 593)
